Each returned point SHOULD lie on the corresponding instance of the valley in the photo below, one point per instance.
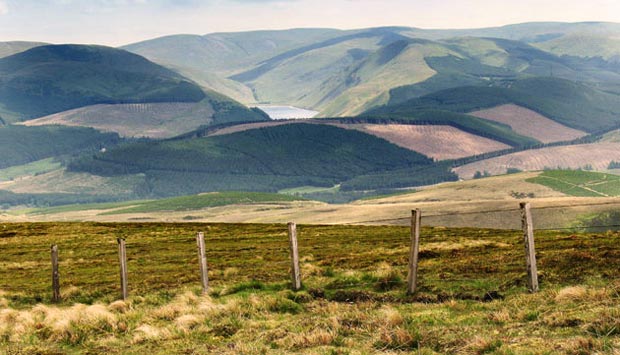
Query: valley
(343, 132)
(385, 111)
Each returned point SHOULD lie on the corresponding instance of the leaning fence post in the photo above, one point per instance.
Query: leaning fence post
(202, 259)
(55, 275)
(122, 256)
(412, 278)
(295, 273)
(530, 250)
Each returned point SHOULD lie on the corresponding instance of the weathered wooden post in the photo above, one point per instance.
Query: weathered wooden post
(530, 250)
(295, 271)
(122, 256)
(202, 260)
(412, 278)
(55, 275)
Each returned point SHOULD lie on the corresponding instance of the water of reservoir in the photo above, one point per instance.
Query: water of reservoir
(287, 112)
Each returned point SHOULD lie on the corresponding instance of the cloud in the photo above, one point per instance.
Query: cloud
(4, 8)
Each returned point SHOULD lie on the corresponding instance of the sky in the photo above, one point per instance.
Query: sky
(118, 22)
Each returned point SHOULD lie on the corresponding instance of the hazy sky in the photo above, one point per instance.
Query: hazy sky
(116, 22)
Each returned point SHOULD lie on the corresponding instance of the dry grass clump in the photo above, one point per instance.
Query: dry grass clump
(398, 338)
(387, 278)
(581, 294)
(390, 316)
(313, 338)
(73, 325)
(182, 304)
(230, 272)
(147, 332)
(308, 269)
(501, 316)
(187, 322)
(578, 346)
(67, 292)
(119, 306)
(481, 345)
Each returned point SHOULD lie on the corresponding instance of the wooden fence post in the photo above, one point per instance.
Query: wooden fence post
(202, 259)
(412, 278)
(122, 256)
(55, 275)
(295, 272)
(530, 250)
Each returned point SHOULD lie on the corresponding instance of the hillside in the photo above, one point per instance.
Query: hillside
(572, 104)
(435, 141)
(51, 79)
(485, 203)
(421, 115)
(344, 73)
(267, 159)
(580, 183)
(596, 156)
(211, 58)
(20, 145)
(154, 120)
(529, 123)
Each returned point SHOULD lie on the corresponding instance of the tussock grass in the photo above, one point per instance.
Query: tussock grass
(353, 300)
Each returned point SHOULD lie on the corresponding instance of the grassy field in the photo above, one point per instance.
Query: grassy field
(580, 183)
(483, 203)
(353, 300)
(34, 168)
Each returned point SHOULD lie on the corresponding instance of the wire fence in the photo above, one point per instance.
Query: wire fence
(469, 263)
(550, 216)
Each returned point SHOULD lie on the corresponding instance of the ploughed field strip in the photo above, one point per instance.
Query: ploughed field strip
(459, 263)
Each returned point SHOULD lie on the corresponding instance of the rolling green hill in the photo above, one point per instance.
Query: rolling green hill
(570, 103)
(21, 145)
(50, 79)
(210, 59)
(267, 159)
(344, 73)
(580, 183)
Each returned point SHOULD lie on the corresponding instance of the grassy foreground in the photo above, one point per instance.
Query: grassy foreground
(471, 297)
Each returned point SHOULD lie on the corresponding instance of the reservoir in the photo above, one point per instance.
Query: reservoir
(287, 112)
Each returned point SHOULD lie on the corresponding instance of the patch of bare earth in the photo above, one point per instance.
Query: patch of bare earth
(438, 142)
(529, 123)
(154, 120)
(597, 156)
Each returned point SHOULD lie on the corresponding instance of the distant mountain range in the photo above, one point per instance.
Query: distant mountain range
(348, 72)
(399, 107)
